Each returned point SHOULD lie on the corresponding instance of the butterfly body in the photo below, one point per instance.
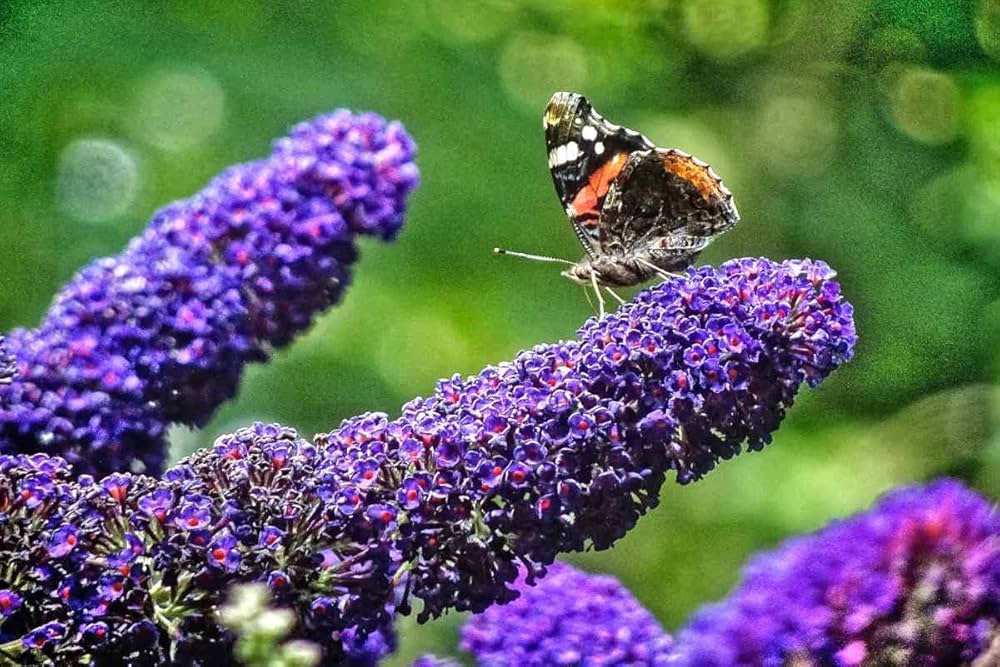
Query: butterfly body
(637, 209)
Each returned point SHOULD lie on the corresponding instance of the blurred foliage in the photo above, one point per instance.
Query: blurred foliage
(864, 133)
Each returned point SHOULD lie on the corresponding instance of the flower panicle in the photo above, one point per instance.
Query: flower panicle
(568, 444)
(568, 618)
(160, 334)
(914, 580)
(135, 569)
(560, 449)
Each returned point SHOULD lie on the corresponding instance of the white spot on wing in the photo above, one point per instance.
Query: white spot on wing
(599, 147)
(588, 133)
(572, 151)
(561, 155)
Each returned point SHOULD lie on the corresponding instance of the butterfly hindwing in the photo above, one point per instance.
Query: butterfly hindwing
(664, 193)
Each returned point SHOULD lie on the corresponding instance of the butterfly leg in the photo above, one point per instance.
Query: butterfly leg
(614, 294)
(660, 272)
(586, 293)
(597, 293)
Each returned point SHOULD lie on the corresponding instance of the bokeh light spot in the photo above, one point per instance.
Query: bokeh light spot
(796, 135)
(534, 65)
(178, 108)
(982, 128)
(726, 29)
(962, 204)
(473, 21)
(988, 27)
(923, 103)
(98, 180)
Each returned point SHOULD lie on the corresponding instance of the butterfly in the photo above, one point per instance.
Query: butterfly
(638, 210)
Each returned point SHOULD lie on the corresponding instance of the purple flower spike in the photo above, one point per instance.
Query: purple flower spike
(161, 333)
(562, 449)
(913, 581)
(569, 444)
(567, 618)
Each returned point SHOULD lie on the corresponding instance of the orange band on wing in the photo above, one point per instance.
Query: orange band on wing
(698, 175)
(590, 197)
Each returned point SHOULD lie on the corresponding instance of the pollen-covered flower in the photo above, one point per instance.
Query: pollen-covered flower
(913, 581)
(161, 333)
(561, 449)
(568, 618)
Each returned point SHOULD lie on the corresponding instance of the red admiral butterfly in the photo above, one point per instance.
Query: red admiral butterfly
(638, 210)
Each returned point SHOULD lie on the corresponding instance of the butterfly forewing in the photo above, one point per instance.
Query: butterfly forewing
(586, 152)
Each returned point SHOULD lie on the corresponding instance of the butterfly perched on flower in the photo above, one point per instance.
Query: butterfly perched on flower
(638, 210)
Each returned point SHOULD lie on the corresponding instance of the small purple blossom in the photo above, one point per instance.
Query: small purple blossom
(162, 332)
(63, 541)
(44, 635)
(9, 602)
(94, 634)
(560, 450)
(568, 618)
(223, 553)
(133, 567)
(915, 580)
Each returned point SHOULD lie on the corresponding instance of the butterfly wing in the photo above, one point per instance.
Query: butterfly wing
(666, 206)
(586, 153)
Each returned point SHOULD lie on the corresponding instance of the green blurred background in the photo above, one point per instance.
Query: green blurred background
(864, 133)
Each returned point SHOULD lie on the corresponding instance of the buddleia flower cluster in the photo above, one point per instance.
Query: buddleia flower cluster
(562, 448)
(162, 332)
(567, 446)
(915, 580)
(568, 618)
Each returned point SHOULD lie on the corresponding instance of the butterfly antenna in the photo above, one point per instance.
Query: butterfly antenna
(536, 258)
